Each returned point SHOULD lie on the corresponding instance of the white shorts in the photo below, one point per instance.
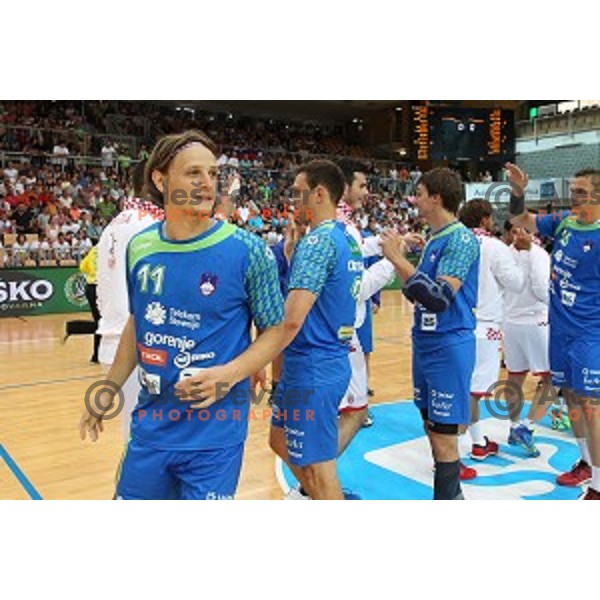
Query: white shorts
(357, 397)
(131, 390)
(487, 365)
(526, 348)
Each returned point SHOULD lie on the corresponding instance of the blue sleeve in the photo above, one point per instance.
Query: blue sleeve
(262, 286)
(548, 224)
(369, 262)
(313, 262)
(282, 266)
(376, 298)
(461, 251)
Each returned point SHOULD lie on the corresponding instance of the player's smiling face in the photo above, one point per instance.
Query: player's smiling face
(424, 202)
(358, 191)
(190, 182)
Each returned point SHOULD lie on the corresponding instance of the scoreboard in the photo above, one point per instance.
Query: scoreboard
(449, 133)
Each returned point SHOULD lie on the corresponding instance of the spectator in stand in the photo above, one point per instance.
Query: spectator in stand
(60, 153)
(20, 251)
(143, 153)
(23, 219)
(61, 248)
(108, 154)
(233, 161)
(124, 160)
(11, 173)
(223, 160)
(40, 248)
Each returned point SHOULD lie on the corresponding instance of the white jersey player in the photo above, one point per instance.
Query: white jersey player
(526, 336)
(113, 298)
(353, 407)
(499, 271)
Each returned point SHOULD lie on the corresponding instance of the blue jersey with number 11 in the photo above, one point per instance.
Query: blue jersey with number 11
(193, 302)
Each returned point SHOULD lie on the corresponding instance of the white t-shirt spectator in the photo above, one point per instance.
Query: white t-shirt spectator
(62, 249)
(65, 202)
(11, 174)
(20, 252)
(39, 247)
(60, 153)
(70, 228)
(5, 226)
(393, 173)
(222, 160)
(84, 245)
(108, 154)
(233, 162)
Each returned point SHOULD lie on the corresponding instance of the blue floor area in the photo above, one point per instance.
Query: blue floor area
(391, 461)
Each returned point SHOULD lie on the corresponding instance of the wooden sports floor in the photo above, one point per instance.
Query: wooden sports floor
(42, 386)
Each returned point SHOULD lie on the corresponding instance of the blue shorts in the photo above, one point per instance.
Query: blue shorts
(149, 474)
(365, 331)
(575, 363)
(442, 371)
(306, 407)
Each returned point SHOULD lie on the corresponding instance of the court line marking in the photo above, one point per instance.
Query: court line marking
(28, 341)
(20, 476)
(12, 386)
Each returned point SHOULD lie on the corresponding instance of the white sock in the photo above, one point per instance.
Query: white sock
(476, 435)
(528, 423)
(583, 448)
(595, 479)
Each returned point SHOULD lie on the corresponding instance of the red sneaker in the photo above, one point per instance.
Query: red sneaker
(591, 494)
(580, 473)
(482, 452)
(467, 473)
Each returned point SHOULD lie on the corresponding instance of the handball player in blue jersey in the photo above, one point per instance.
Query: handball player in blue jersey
(443, 288)
(574, 312)
(196, 285)
(320, 310)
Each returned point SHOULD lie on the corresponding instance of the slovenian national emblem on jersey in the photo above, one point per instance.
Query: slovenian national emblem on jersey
(208, 284)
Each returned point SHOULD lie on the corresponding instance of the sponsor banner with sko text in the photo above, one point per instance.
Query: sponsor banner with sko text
(42, 291)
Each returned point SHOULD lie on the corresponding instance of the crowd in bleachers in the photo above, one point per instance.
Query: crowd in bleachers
(53, 206)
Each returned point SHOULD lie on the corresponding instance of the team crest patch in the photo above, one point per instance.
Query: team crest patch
(208, 284)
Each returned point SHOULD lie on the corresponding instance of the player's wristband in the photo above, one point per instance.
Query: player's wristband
(516, 205)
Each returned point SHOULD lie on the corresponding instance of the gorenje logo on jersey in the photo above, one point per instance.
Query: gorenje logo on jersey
(159, 339)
